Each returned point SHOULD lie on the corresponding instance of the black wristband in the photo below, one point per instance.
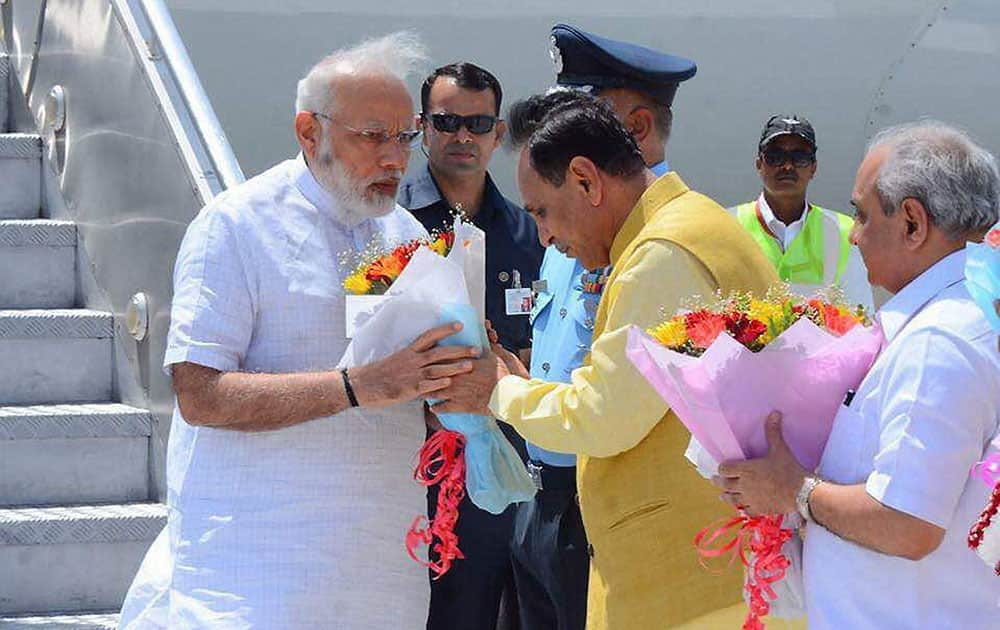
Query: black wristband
(348, 389)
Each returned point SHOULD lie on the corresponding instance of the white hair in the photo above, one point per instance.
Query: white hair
(939, 165)
(354, 201)
(395, 55)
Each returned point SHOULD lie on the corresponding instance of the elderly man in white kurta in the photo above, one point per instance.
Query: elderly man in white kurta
(892, 502)
(290, 483)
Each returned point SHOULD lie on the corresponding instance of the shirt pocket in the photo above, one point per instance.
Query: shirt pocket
(583, 311)
(541, 307)
(579, 316)
(847, 458)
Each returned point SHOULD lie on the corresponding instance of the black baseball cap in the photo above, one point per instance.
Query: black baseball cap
(785, 125)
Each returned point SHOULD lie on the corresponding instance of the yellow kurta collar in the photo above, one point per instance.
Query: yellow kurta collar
(660, 192)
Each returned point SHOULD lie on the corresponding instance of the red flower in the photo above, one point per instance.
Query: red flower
(704, 327)
(743, 329)
(837, 321)
(993, 238)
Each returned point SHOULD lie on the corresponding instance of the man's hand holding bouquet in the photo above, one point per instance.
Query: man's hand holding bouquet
(725, 366)
(421, 285)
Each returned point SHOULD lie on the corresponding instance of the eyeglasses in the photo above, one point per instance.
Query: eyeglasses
(378, 137)
(798, 157)
(477, 124)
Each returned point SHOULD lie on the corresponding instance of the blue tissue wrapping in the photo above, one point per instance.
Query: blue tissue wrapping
(982, 274)
(495, 476)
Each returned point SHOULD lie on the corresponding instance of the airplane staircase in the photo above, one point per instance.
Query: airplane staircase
(76, 514)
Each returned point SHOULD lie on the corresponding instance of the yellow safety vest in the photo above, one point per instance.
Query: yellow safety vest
(817, 256)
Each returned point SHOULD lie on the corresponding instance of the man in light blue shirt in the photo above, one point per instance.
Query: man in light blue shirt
(550, 550)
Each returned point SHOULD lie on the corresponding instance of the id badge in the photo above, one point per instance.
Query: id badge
(518, 301)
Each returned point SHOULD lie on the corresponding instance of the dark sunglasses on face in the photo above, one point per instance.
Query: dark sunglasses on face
(450, 123)
(777, 157)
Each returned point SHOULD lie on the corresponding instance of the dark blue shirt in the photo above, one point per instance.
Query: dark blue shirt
(511, 243)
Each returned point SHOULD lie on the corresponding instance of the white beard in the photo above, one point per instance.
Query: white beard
(355, 201)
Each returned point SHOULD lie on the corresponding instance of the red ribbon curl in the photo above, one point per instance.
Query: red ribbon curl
(441, 460)
(757, 542)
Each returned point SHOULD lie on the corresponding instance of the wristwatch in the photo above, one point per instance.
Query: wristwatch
(802, 498)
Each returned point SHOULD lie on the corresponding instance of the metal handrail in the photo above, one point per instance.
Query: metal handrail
(163, 42)
(192, 92)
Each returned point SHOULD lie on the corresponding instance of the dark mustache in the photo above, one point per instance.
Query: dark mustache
(462, 148)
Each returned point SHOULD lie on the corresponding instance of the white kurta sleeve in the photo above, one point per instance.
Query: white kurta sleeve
(211, 317)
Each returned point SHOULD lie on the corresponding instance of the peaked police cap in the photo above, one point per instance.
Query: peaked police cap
(586, 60)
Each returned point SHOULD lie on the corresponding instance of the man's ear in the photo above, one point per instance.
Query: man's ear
(307, 130)
(916, 222)
(586, 177)
(422, 123)
(500, 131)
(640, 123)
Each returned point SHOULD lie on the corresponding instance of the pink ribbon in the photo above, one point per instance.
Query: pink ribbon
(988, 470)
(441, 461)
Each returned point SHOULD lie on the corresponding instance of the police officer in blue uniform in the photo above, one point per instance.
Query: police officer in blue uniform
(550, 550)
(461, 125)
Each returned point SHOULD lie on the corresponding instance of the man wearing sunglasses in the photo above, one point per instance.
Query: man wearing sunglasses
(808, 245)
(461, 130)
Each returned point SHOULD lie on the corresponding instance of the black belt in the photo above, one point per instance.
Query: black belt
(547, 477)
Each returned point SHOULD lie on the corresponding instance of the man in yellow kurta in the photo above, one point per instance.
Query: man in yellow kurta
(582, 177)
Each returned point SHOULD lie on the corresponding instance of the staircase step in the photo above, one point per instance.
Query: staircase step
(73, 559)
(37, 263)
(21, 172)
(52, 454)
(55, 355)
(82, 621)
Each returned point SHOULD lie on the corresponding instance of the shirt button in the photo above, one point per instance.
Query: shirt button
(562, 312)
(546, 366)
(503, 276)
(590, 550)
(582, 346)
(589, 323)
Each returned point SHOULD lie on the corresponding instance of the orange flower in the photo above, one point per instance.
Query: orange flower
(386, 269)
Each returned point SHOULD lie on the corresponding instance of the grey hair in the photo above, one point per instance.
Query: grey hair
(398, 55)
(939, 165)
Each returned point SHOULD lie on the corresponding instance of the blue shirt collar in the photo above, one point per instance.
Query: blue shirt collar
(895, 313)
(660, 169)
(421, 191)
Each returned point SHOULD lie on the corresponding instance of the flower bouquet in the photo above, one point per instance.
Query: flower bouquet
(420, 285)
(723, 367)
(982, 273)
(374, 272)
